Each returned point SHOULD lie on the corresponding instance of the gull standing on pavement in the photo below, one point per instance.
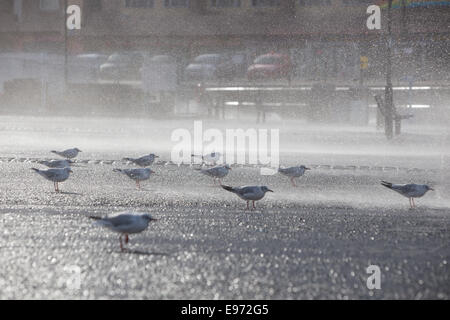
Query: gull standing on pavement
(249, 193)
(143, 161)
(410, 191)
(68, 154)
(293, 172)
(55, 175)
(125, 224)
(137, 175)
(216, 172)
(211, 158)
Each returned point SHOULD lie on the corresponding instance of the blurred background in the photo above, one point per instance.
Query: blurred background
(300, 59)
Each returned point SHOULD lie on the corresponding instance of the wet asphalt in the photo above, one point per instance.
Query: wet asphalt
(314, 241)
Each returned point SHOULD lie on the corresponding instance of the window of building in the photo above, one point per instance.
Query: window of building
(139, 3)
(93, 5)
(49, 5)
(225, 3)
(266, 3)
(176, 3)
(304, 3)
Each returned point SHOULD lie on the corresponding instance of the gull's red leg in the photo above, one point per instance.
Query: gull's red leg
(247, 205)
(254, 207)
(121, 245)
(126, 238)
(292, 181)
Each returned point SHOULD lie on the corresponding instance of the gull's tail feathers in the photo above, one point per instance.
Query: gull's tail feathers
(386, 184)
(228, 188)
(100, 222)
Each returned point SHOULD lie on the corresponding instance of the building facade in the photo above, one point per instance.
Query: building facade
(324, 37)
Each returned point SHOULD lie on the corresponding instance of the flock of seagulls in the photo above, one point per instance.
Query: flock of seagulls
(130, 223)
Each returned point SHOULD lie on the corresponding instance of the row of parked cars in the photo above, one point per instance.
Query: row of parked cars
(220, 66)
(213, 66)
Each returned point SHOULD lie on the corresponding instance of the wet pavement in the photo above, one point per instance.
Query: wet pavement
(314, 241)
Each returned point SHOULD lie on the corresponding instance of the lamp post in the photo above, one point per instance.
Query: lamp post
(389, 118)
(65, 44)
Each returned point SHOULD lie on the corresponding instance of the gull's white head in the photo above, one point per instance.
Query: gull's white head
(266, 189)
(148, 217)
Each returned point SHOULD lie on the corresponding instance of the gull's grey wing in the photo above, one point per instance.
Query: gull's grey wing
(132, 173)
(215, 171)
(121, 220)
(51, 174)
(403, 188)
(410, 188)
(247, 190)
(290, 170)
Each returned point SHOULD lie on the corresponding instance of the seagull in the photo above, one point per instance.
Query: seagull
(143, 161)
(248, 193)
(125, 224)
(56, 175)
(68, 154)
(212, 157)
(56, 163)
(410, 191)
(216, 172)
(136, 174)
(293, 172)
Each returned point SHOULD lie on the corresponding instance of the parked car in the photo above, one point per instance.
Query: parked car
(162, 58)
(122, 66)
(85, 67)
(271, 66)
(211, 66)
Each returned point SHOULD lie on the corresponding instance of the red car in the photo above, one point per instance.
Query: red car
(272, 66)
